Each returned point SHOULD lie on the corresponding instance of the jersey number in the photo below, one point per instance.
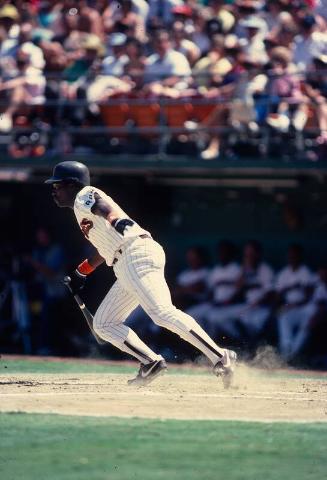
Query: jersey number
(86, 226)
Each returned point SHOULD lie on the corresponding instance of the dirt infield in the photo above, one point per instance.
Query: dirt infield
(256, 395)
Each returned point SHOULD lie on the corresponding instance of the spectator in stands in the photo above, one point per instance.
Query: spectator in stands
(223, 15)
(52, 33)
(200, 37)
(9, 22)
(212, 68)
(92, 50)
(48, 13)
(166, 67)
(79, 74)
(309, 43)
(283, 90)
(243, 113)
(77, 78)
(67, 21)
(294, 289)
(191, 283)
(272, 14)
(121, 17)
(284, 33)
(183, 14)
(55, 56)
(141, 7)
(26, 90)
(126, 61)
(181, 43)
(254, 49)
(25, 44)
(315, 88)
(89, 18)
(161, 12)
(135, 54)
(244, 83)
(114, 63)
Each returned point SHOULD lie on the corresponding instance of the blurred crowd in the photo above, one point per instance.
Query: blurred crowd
(248, 303)
(240, 300)
(205, 77)
(33, 299)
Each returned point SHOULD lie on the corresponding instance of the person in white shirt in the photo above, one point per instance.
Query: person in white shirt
(191, 283)
(141, 7)
(222, 285)
(182, 44)
(309, 44)
(251, 308)
(24, 43)
(26, 90)
(166, 66)
(293, 286)
(255, 31)
(114, 63)
(312, 319)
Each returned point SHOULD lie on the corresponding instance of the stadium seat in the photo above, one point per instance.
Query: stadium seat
(202, 108)
(115, 116)
(145, 116)
(177, 112)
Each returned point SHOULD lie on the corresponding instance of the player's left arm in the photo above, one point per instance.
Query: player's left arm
(95, 259)
(103, 209)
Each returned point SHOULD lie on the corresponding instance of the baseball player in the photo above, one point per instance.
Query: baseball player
(138, 262)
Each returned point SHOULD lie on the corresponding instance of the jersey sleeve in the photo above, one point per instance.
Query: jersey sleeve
(86, 199)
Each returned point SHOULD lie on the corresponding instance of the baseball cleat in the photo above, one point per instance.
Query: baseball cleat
(224, 368)
(147, 373)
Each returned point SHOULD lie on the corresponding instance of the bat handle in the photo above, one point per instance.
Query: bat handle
(80, 302)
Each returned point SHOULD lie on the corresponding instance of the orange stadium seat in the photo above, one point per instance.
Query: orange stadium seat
(176, 113)
(115, 116)
(145, 115)
(202, 109)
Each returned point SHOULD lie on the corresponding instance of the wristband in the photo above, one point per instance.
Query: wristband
(85, 268)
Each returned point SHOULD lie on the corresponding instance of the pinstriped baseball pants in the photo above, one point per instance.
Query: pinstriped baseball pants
(141, 281)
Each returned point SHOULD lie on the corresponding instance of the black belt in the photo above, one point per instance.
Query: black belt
(144, 235)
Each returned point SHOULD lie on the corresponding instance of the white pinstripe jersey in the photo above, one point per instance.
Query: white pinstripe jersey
(97, 229)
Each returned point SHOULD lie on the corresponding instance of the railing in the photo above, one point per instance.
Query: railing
(132, 123)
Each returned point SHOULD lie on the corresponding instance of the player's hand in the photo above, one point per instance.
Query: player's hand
(77, 281)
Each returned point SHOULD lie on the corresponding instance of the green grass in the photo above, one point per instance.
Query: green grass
(52, 447)
(8, 366)
(13, 366)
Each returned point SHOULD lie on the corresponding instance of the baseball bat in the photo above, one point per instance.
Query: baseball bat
(86, 312)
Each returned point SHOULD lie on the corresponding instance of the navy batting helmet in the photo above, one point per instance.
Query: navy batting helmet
(70, 172)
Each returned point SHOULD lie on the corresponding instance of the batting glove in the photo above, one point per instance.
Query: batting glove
(77, 281)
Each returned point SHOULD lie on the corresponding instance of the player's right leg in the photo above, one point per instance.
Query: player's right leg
(141, 271)
(109, 325)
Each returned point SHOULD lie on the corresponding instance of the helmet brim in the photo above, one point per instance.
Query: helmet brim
(62, 180)
(53, 180)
